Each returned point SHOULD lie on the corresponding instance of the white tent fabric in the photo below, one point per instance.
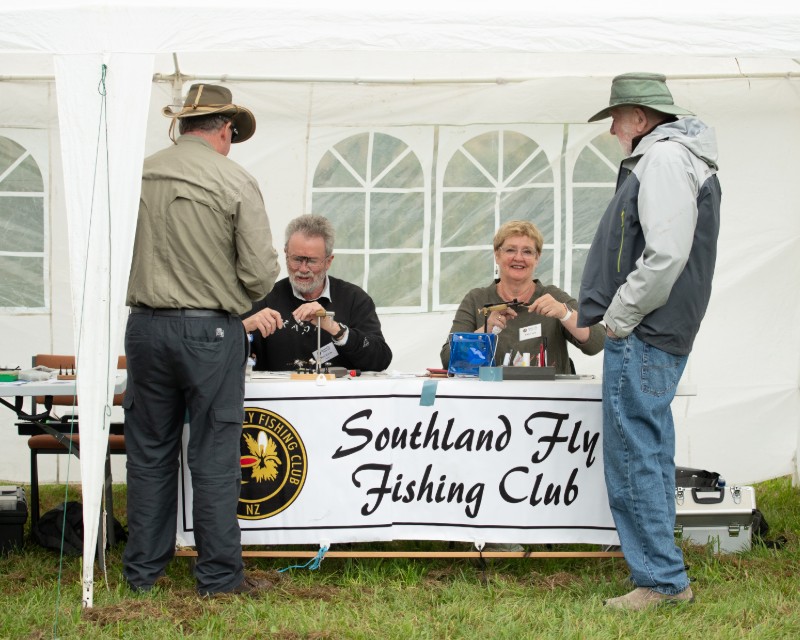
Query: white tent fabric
(455, 64)
(101, 183)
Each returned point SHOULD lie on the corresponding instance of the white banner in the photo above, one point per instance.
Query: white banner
(414, 459)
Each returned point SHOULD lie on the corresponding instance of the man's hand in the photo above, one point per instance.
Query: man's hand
(267, 321)
(313, 312)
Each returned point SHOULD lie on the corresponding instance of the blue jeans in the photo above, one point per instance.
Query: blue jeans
(639, 384)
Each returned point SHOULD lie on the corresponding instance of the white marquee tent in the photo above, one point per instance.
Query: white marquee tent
(431, 79)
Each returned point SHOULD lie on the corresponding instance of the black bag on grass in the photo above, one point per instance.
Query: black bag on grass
(67, 519)
(695, 478)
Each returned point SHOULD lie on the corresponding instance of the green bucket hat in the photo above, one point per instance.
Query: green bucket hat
(641, 90)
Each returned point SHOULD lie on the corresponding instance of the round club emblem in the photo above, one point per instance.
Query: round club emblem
(274, 464)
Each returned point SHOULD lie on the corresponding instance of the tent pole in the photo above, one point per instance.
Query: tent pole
(181, 78)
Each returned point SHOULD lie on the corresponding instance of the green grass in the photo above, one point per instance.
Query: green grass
(750, 595)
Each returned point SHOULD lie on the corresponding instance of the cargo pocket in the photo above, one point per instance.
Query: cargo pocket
(228, 434)
(127, 399)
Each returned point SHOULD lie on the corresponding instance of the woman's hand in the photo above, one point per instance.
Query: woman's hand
(498, 320)
(548, 306)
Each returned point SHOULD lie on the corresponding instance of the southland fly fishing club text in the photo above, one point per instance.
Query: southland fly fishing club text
(540, 434)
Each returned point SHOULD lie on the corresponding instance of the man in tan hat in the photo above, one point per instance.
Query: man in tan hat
(203, 252)
(648, 278)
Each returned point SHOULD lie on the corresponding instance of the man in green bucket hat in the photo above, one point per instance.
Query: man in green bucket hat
(648, 278)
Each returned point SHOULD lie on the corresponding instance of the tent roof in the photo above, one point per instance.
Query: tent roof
(713, 28)
(415, 42)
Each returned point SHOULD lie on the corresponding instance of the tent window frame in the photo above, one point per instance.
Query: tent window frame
(414, 147)
(561, 145)
(35, 143)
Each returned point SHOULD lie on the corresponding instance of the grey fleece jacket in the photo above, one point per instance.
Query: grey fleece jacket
(650, 266)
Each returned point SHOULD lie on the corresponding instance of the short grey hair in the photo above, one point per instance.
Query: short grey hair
(312, 226)
(211, 122)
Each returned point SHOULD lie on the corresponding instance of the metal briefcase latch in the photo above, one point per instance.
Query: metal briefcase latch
(736, 494)
(680, 496)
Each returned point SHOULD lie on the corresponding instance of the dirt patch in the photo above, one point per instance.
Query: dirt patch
(181, 610)
(293, 635)
(322, 592)
(551, 581)
(442, 575)
(184, 608)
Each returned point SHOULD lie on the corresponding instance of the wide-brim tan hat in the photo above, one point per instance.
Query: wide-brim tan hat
(641, 90)
(207, 99)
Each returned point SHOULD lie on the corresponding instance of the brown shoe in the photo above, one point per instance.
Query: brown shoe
(250, 586)
(646, 598)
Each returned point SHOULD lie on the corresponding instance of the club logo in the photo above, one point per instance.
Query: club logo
(274, 464)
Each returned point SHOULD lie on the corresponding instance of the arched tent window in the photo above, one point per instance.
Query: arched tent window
(491, 178)
(373, 189)
(594, 179)
(23, 260)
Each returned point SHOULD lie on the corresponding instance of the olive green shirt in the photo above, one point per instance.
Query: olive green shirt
(203, 239)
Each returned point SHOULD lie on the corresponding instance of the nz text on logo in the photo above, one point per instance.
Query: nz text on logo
(274, 464)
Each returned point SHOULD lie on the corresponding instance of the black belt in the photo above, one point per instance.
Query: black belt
(186, 313)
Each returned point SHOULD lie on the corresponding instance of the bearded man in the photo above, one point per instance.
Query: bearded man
(284, 324)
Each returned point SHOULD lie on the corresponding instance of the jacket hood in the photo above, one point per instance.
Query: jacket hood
(691, 132)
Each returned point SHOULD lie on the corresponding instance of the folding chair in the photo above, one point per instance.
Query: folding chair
(43, 443)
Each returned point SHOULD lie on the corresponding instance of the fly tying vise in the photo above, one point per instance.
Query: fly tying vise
(487, 309)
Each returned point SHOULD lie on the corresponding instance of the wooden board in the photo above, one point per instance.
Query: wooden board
(312, 376)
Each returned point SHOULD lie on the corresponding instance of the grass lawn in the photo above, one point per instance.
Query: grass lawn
(750, 595)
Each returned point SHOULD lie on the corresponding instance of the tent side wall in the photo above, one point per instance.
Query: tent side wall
(747, 381)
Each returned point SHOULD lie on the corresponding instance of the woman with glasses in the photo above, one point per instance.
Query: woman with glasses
(531, 317)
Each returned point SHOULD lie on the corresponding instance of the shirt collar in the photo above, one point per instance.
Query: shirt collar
(326, 292)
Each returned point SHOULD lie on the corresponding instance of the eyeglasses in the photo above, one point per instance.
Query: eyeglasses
(527, 254)
(298, 261)
(234, 133)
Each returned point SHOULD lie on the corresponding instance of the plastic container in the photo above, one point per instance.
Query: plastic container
(9, 375)
(13, 515)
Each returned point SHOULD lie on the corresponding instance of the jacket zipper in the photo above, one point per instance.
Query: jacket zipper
(622, 238)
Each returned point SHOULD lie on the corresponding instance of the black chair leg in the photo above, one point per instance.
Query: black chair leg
(34, 489)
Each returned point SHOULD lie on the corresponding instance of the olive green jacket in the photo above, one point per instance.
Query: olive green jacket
(468, 319)
(203, 239)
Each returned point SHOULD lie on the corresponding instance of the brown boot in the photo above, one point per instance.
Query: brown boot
(646, 598)
(251, 586)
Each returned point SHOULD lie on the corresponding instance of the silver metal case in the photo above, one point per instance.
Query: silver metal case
(720, 516)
